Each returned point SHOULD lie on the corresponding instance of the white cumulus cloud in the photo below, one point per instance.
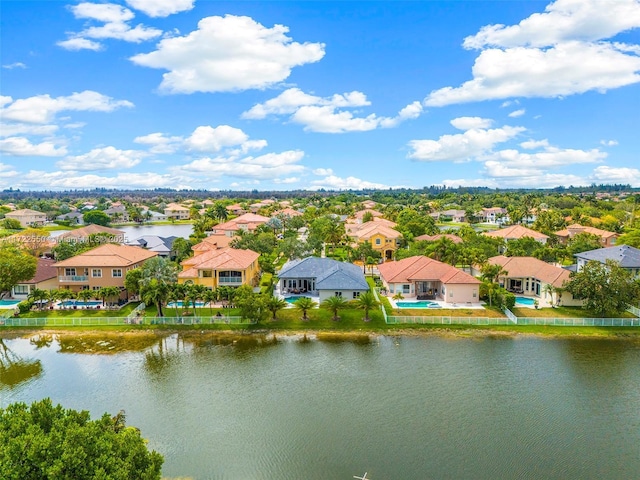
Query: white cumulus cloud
(106, 158)
(517, 113)
(161, 8)
(229, 53)
(22, 147)
(461, 146)
(43, 108)
(467, 123)
(328, 114)
(623, 175)
(333, 182)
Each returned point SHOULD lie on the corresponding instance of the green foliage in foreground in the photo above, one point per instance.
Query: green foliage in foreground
(43, 441)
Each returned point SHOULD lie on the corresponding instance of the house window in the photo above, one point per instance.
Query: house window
(207, 273)
(116, 273)
(95, 288)
(356, 294)
(377, 241)
(337, 294)
(475, 294)
(96, 272)
(69, 272)
(406, 288)
(21, 289)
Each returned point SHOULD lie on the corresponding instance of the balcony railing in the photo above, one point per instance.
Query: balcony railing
(230, 280)
(73, 278)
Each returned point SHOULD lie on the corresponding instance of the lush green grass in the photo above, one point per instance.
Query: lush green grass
(560, 312)
(71, 313)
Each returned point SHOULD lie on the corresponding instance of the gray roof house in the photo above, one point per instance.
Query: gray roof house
(323, 277)
(627, 257)
(163, 246)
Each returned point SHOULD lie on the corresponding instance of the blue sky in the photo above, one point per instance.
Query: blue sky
(306, 95)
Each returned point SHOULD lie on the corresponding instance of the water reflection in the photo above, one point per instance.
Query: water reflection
(15, 370)
(106, 342)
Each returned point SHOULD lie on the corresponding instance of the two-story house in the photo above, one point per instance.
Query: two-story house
(103, 266)
(218, 267)
(383, 239)
(28, 217)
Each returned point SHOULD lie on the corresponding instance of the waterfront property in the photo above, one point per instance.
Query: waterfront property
(529, 276)
(103, 266)
(424, 278)
(220, 267)
(28, 217)
(322, 277)
(45, 278)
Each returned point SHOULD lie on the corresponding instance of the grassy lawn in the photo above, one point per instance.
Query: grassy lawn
(71, 313)
(560, 312)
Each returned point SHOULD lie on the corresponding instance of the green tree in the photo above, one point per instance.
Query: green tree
(583, 242)
(367, 302)
(38, 297)
(96, 217)
(210, 296)
(15, 266)
(631, 238)
(275, 304)
(85, 295)
(607, 289)
(43, 441)
(154, 292)
(11, 224)
(334, 304)
(132, 281)
(181, 249)
(251, 305)
(158, 268)
(304, 304)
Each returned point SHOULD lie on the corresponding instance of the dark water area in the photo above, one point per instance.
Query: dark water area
(230, 407)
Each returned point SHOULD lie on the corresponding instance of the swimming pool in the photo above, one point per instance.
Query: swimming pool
(8, 303)
(525, 301)
(78, 303)
(294, 299)
(418, 304)
(179, 304)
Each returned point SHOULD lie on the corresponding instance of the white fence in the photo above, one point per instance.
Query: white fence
(103, 321)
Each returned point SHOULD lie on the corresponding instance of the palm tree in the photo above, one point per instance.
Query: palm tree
(334, 304)
(38, 296)
(155, 292)
(366, 301)
(103, 293)
(176, 293)
(220, 211)
(85, 295)
(210, 297)
(275, 304)
(112, 292)
(195, 293)
(304, 304)
(64, 295)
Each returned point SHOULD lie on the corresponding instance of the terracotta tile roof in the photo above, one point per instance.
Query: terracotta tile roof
(516, 232)
(220, 259)
(45, 270)
(288, 211)
(251, 220)
(365, 231)
(435, 238)
(421, 268)
(522, 267)
(23, 212)
(108, 255)
(576, 229)
(92, 229)
(362, 213)
(212, 242)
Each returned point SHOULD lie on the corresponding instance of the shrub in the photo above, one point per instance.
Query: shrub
(25, 306)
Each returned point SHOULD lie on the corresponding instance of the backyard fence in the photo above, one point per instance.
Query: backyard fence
(111, 321)
(581, 322)
(428, 320)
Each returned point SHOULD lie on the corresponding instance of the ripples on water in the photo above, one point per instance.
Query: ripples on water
(252, 407)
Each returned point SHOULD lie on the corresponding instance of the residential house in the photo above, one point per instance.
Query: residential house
(607, 239)
(287, 212)
(532, 277)
(435, 238)
(28, 217)
(369, 204)
(424, 278)
(212, 242)
(324, 277)
(382, 238)
(83, 234)
(103, 266)
(248, 222)
(163, 246)
(174, 211)
(451, 215)
(493, 215)
(45, 278)
(624, 255)
(220, 267)
(152, 216)
(235, 209)
(358, 216)
(74, 218)
(516, 232)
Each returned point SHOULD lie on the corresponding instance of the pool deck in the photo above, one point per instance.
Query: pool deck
(441, 304)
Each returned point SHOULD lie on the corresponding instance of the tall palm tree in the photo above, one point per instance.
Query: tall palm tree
(366, 301)
(210, 297)
(275, 304)
(334, 304)
(220, 211)
(113, 293)
(85, 295)
(64, 295)
(155, 292)
(38, 296)
(304, 304)
(176, 293)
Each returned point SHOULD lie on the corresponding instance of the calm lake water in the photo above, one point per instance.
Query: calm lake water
(133, 232)
(398, 408)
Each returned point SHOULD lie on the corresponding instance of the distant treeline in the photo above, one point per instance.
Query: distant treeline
(160, 193)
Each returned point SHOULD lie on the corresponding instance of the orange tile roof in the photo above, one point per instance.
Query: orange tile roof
(108, 255)
(421, 268)
(220, 259)
(523, 267)
(516, 232)
(435, 238)
(92, 229)
(251, 220)
(576, 229)
(365, 231)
